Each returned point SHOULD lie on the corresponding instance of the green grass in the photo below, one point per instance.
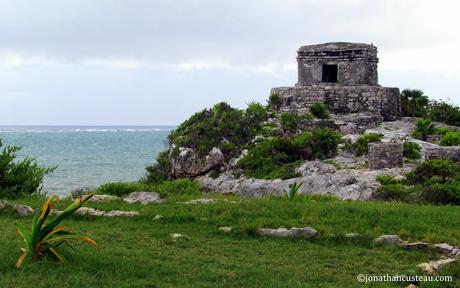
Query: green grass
(138, 252)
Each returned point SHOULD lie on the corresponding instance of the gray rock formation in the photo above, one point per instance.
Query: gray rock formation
(319, 178)
(186, 163)
(385, 155)
(144, 198)
(389, 239)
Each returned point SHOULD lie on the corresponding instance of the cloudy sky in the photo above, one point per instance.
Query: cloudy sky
(141, 62)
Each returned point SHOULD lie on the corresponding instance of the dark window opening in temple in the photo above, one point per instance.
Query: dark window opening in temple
(329, 73)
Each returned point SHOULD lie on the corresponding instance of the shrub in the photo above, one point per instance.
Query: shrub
(288, 122)
(267, 157)
(423, 128)
(45, 239)
(360, 147)
(275, 101)
(219, 126)
(440, 193)
(413, 103)
(324, 143)
(451, 138)
(18, 178)
(160, 171)
(320, 110)
(441, 111)
(412, 150)
(445, 170)
(123, 188)
(394, 192)
(279, 157)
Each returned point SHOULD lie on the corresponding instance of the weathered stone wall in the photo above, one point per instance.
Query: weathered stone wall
(385, 155)
(356, 63)
(446, 153)
(342, 99)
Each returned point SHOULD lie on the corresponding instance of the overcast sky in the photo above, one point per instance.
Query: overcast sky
(141, 62)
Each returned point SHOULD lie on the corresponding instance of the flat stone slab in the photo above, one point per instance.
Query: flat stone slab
(415, 246)
(389, 239)
(305, 232)
(226, 229)
(144, 198)
(444, 248)
(103, 198)
(200, 201)
(353, 235)
(19, 209)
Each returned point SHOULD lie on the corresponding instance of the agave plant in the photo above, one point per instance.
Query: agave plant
(293, 189)
(44, 239)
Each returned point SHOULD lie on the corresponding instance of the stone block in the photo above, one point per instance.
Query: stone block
(385, 155)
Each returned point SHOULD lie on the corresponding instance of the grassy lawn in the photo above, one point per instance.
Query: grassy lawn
(139, 252)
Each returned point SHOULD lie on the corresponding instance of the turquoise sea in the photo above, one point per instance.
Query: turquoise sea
(87, 156)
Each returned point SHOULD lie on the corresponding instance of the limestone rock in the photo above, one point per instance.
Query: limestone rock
(435, 266)
(353, 235)
(95, 212)
(200, 201)
(157, 217)
(415, 245)
(118, 213)
(444, 248)
(143, 198)
(19, 209)
(177, 236)
(103, 198)
(305, 232)
(389, 239)
(186, 162)
(226, 229)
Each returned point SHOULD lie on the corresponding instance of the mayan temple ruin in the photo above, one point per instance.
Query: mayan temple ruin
(342, 75)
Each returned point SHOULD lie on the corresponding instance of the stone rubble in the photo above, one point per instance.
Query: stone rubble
(83, 211)
(144, 198)
(177, 236)
(226, 229)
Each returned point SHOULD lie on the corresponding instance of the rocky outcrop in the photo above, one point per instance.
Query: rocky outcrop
(186, 162)
(318, 178)
(305, 232)
(103, 198)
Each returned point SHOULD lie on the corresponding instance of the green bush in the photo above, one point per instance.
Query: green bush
(414, 103)
(324, 143)
(279, 157)
(289, 122)
(445, 170)
(451, 138)
(124, 188)
(412, 150)
(179, 187)
(423, 128)
(442, 193)
(394, 192)
(275, 101)
(266, 159)
(320, 110)
(160, 171)
(18, 178)
(219, 126)
(360, 147)
(441, 111)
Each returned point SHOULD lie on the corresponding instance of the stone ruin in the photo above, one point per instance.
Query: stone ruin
(343, 76)
(385, 155)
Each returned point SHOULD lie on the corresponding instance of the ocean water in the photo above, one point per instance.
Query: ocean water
(88, 156)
